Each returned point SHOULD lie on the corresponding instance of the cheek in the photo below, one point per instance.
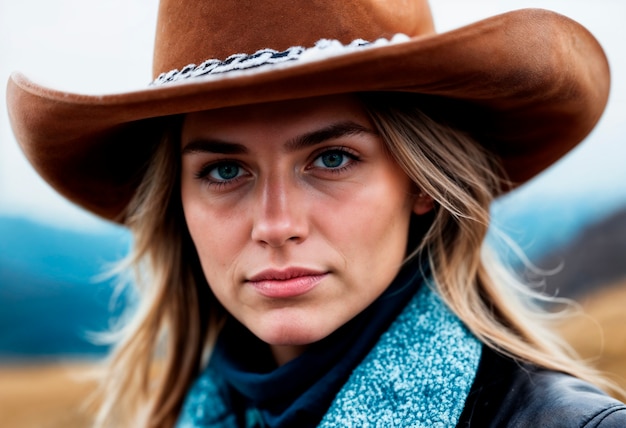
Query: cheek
(372, 226)
(217, 238)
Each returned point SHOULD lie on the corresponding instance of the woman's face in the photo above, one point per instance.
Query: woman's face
(298, 215)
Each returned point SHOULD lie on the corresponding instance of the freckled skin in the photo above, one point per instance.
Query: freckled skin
(289, 208)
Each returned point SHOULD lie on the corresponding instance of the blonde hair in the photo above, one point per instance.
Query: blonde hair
(463, 178)
(170, 334)
(159, 349)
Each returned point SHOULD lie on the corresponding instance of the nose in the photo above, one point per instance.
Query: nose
(279, 213)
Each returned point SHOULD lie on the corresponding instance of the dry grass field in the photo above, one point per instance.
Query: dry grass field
(44, 396)
(50, 396)
(599, 334)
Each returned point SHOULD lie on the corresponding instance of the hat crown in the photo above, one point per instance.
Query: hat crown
(192, 31)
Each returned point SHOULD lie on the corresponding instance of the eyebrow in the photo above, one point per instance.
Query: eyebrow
(330, 132)
(203, 145)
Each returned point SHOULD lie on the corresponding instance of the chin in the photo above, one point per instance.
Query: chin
(290, 332)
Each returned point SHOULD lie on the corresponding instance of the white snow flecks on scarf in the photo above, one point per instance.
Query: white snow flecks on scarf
(269, 58)
(418, 375)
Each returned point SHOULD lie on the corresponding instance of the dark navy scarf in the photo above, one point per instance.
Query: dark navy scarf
(300, 392)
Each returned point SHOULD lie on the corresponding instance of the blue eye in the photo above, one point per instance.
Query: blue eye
(331, 159)
(225, 172)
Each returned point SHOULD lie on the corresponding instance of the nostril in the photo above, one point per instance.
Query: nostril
(276, 233)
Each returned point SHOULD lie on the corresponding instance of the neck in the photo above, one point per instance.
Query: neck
(284, 353)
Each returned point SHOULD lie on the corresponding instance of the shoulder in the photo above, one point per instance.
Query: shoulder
(506, 393)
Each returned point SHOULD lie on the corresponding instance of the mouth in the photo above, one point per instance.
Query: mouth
(280, 284)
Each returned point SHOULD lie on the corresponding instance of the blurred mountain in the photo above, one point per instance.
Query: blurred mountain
(541, 222)
(594, 258)
(52, 294)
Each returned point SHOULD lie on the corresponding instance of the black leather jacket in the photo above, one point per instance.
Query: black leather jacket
(510, 394)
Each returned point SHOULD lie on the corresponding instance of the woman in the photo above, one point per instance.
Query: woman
(309, 218)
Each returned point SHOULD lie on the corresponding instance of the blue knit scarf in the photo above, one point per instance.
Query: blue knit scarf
(418, 374)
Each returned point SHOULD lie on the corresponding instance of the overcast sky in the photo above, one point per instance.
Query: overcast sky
(101, 46)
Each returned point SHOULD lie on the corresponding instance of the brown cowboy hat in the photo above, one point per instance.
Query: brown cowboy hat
(528, 84)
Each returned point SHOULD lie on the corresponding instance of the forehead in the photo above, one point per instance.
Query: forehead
(306, 113)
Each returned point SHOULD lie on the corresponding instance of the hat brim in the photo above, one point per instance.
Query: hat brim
(529, 85)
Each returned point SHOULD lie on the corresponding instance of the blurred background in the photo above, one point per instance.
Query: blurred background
(53, 254)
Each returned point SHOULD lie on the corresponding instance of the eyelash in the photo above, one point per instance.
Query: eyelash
(204, 172)
(353, 158)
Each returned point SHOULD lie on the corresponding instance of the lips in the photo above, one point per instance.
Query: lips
(286, 283)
